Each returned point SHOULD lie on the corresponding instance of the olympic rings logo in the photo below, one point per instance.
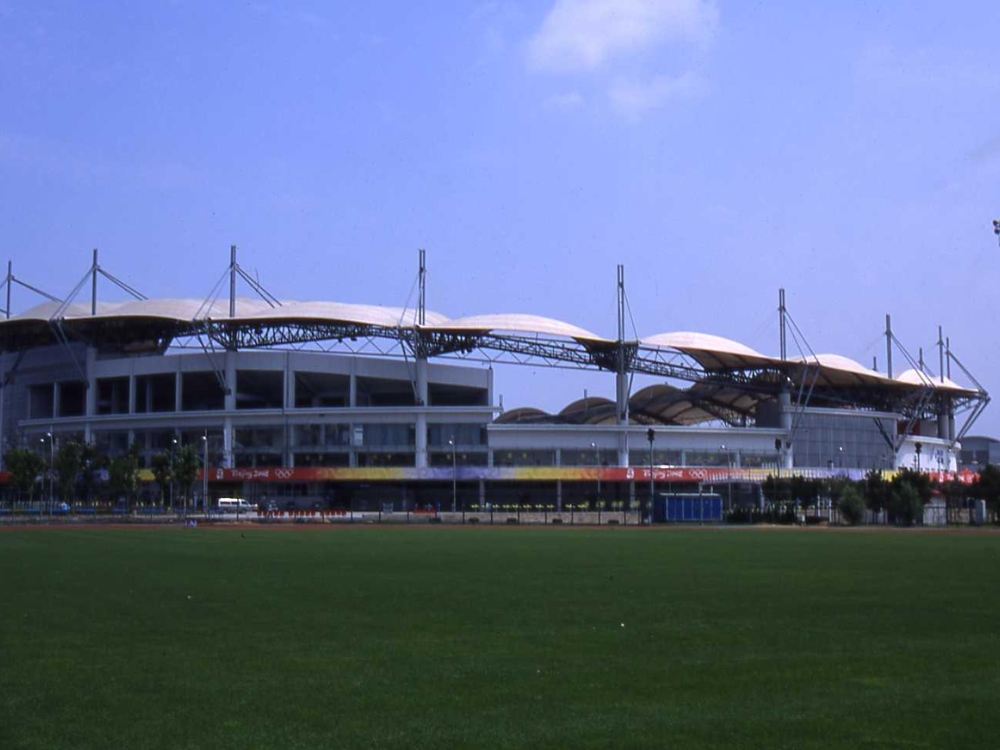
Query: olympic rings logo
(284, 473)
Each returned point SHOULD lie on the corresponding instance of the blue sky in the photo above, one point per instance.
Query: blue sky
(849, 152)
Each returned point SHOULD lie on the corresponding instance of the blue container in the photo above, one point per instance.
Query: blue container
(688, 508)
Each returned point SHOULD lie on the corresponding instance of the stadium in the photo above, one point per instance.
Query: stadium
(322, 404)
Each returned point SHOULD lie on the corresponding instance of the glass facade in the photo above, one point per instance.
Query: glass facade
(461, 458)
(397, 436)
(321, 436)
(833, 441)
(462, 434)
(524, 458)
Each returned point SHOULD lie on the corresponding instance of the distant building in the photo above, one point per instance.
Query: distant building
(978, 451)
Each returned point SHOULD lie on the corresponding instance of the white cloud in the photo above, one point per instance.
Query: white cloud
(632, 100)
(583, 34)
(565, 100)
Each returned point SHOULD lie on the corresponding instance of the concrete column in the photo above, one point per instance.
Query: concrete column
(621, 408)
(785, 410)
(230, 376)
(352, 387)
(785, 417)
(227, 443)
(178, 389)
(90, 408)
(288, 379)
(230, 407)
(559, 495)
(56, 399)
(131, 393)
(942, 422)
(482, 493)
(421, 421)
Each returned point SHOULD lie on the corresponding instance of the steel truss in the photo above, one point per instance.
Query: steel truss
(406, 342)
(211, 335)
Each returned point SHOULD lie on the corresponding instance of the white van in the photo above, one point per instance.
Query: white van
(234, 505)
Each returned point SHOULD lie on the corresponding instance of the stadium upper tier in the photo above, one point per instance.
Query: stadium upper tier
(157, 323)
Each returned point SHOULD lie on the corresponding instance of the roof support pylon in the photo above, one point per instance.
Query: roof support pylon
(93, 284)
(422, 301)
(9, 282)
(622, 374)
(420, 356)
(888, 344)
(781, 325)
(232, 281)
(940, 343)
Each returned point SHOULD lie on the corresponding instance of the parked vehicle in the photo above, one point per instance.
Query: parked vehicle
(234, 505)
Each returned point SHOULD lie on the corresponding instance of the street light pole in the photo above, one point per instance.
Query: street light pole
(173, 447)
(52, 466)
(651, 436)
(204, 474)
(729, 478)
(597, 450)
(454, 477)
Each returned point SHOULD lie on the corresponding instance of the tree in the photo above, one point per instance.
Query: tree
(67, 463)
(163, 473)
(770, 488)
(123, 475)
(906, 506)
(851, 505)
(24, 466)
(987, 486)
(91, 462)
(877, 491)
(804, 491)
(186, 465)
(919, 481)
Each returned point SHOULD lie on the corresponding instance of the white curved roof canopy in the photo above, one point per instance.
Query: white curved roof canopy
(915, 377)
(712, 352)
(518, 323)
(342, 312)
(44, 311)
(836, 369)
(247, 309)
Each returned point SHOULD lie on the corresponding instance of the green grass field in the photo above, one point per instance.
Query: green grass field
(497, 637)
